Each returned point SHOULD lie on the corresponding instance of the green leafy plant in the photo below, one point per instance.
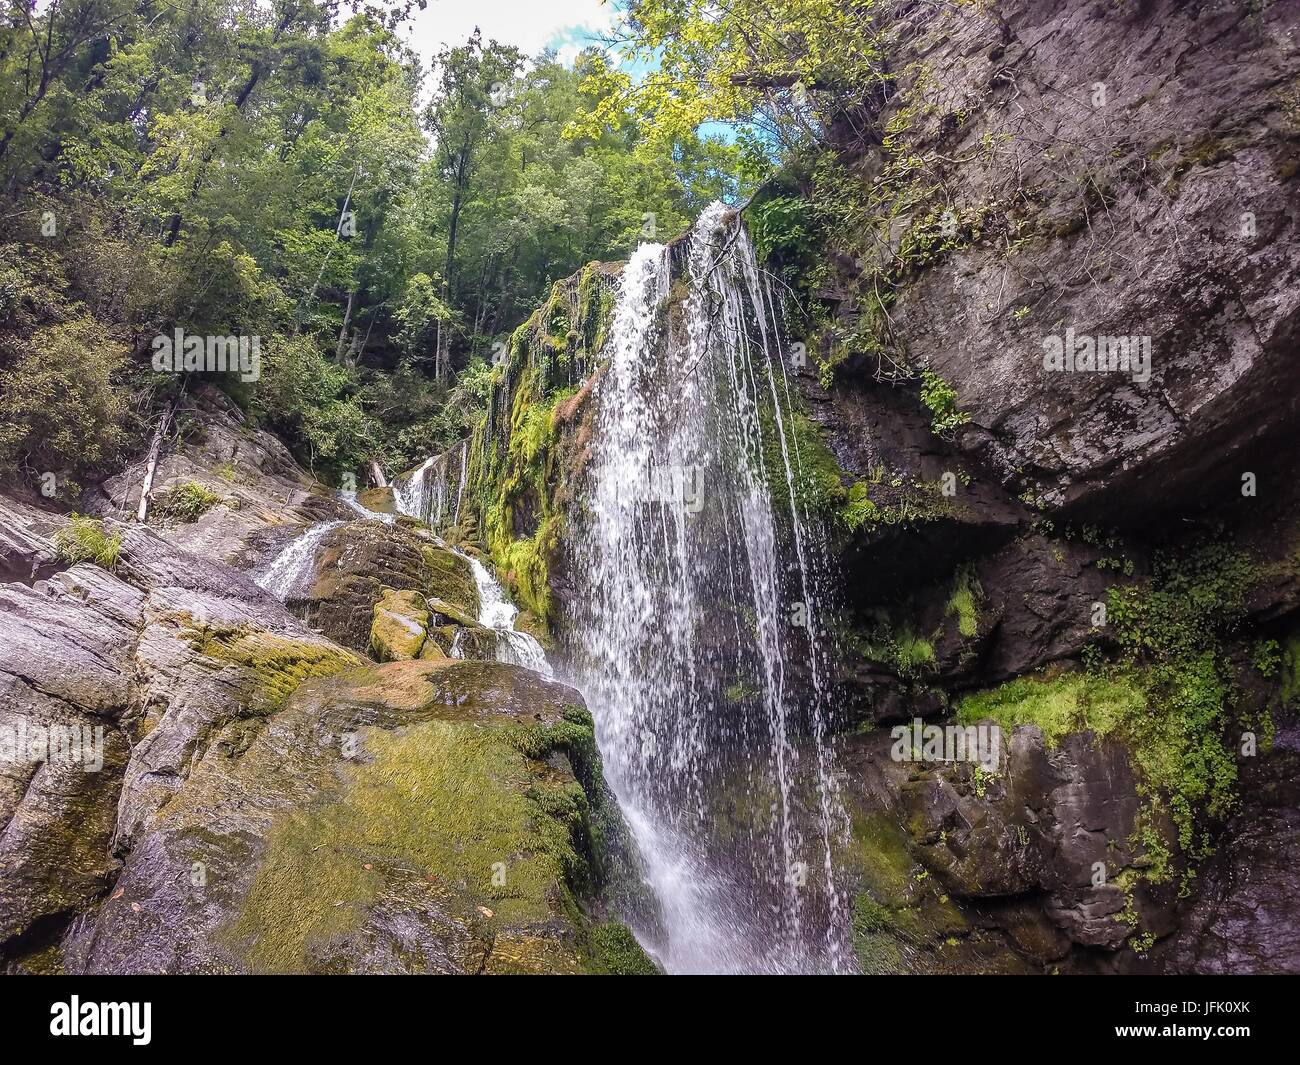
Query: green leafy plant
(84, 539)
(941, 398)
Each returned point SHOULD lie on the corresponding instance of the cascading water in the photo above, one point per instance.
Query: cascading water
(427, 492)
(698, 638)
(425, 495)
(497, 613)
(293, 565)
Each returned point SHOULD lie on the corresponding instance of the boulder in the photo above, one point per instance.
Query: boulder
(418, 816)
(397, 632)
(359, 561)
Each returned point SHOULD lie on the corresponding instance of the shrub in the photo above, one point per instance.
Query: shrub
(61, 406)
(941, 398)
(83, 539)
(185, 503)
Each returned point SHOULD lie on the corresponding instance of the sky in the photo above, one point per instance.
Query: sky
(530, 25)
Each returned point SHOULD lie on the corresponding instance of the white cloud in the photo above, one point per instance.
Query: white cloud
(529, 25)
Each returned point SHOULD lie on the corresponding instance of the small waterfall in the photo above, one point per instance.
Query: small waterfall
(425, 496)
(433, 491)
(350, 498)
(699, 639)
(292, 566)
(496, 612)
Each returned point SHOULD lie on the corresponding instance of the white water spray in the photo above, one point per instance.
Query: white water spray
(293, 565)
(698, 639)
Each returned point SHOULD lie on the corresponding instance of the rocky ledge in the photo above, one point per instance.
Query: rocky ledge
(197, 778)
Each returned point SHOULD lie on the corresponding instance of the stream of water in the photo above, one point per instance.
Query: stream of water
(293, 565)
(698, 615)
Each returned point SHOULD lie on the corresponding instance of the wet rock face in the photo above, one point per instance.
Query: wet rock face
(411, 817)
(359, 562)
(113, 682)
(1245, 921)
(1153, 198)
(1035, 854)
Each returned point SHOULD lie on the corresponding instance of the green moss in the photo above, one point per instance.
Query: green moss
(617, 953)
(1167, 700)
(964, 602)
(1289, 680)
(398, 626)
(1072, 702)
(185, 503)
(278, 664)
(451, 580)
(83, 539)
(869, 916)
(459, 806)
(859, 510)
(818, 482)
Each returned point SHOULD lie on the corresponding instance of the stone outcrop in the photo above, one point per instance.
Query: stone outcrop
(249, 496)
(172, 735)
(360, 562)
(411, 817)
(1061, 189)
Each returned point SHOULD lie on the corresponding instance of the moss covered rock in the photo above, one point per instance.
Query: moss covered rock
(360, 561)
(398, 629)
(378, 500)
(416, 816)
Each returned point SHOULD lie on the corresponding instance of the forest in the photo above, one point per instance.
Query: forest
(293, 172)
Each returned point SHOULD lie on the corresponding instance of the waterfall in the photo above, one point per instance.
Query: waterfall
(426, 492)
(294, 564)
(425, 496)
(497, 613)
(699, 638)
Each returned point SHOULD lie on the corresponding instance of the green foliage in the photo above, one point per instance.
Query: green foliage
(84, 539)
(1168, 700)
(226, 170)
(941, 399)
(784, 68)
(1266, 657)
(185, 502)
(62, 404)
(859, 510)
(1196, 597)
(899, 647)
(782, 232)
(964, 602)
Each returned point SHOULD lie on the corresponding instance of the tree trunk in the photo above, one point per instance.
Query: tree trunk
(347, 320)
(151, 466)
